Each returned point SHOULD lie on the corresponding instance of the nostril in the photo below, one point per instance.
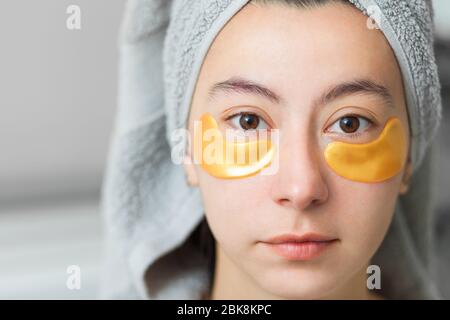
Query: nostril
(283, 201)
(287, 202)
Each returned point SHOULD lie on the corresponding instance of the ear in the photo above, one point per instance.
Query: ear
(406, 179)
(189, 170)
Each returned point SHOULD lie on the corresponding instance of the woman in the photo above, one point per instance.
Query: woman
(319, 72)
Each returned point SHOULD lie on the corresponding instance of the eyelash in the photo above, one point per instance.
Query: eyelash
(245, 113)
(352, 135)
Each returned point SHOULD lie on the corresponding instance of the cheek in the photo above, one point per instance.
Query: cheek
(232, 207)
(365, 212)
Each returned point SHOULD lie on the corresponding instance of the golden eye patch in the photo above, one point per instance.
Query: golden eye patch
(375, 161)
(226, 159)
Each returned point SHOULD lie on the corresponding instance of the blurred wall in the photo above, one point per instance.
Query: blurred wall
(58, 97)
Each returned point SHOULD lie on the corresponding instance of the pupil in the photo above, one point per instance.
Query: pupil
(349, 124)
(249, 121)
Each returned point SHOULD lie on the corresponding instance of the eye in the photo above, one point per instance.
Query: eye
(350, 125)
(247, 121)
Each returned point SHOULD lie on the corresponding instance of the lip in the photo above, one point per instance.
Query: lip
(300, 247)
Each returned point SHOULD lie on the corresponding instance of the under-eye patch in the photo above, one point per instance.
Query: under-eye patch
(226, 159)
(375, 161)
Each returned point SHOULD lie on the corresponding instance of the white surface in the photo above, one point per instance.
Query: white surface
(38, 244)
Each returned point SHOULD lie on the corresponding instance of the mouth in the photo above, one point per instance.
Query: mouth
(300, 248)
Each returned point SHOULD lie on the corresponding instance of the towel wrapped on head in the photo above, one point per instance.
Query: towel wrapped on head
(150, 213)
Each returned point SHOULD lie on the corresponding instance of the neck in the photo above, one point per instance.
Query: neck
(231, 283)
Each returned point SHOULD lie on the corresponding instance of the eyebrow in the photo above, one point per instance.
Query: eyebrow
(356, 86)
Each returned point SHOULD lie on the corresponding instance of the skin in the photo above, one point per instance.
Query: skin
(298, 54)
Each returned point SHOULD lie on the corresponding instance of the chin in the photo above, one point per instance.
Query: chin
(300, 286)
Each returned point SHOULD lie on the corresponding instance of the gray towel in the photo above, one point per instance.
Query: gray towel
(149, 211)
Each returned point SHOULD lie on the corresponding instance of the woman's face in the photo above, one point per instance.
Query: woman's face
(301, 56)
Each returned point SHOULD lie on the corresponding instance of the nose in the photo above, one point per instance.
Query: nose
(298, 184)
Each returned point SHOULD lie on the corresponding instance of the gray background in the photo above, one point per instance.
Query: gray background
(58, 101)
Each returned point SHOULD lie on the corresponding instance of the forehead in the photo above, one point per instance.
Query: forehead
(300, 51)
